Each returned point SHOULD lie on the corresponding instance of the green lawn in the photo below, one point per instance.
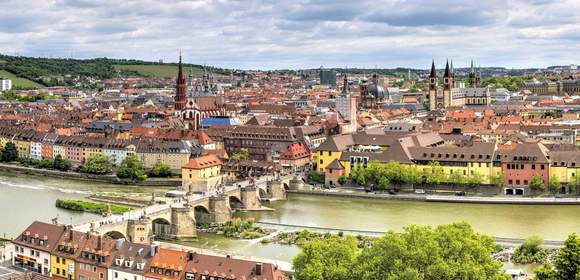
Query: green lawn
(19, 83)
(159, 71)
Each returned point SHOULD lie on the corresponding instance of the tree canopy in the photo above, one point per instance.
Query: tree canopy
(243, 154)
(131, 168)
(97, 164)
(453, 251)
(160, 170)
(10, 152)
(567, 263)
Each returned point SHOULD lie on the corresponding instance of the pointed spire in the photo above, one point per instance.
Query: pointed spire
(433, 71)
(472, 69)
(446, 75)
(452, 71)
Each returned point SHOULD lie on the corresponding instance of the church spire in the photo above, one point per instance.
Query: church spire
(345, 90)
(447, 74)
(433, 71)
(472, 69)
(180, 88)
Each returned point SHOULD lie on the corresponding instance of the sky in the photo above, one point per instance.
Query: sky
(298, 34)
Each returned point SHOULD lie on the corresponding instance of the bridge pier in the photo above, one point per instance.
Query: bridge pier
(182, 224)
(219, 207)
(276, 190)
(250, 198)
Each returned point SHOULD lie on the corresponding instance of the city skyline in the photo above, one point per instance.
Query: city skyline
(297, 35)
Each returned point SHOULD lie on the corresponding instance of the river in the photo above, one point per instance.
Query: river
(24, 198)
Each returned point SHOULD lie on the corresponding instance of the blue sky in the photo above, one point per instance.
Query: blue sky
(292, 34)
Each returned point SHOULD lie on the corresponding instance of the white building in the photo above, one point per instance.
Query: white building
(5, 84)
(131, 261)
(117, 151)
(32, 248)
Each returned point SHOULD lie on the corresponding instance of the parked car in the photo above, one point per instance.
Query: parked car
(392, 192)
(420, 191)
(461, 193)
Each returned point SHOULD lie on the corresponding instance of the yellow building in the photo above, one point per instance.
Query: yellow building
(201, 173)
(23, 148)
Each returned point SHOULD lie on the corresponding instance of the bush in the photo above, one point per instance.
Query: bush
(316, 177)
(161, 170)
(93, 207)
(131, 168)
(530, 251)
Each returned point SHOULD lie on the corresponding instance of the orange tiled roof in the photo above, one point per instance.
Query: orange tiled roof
(203, 162)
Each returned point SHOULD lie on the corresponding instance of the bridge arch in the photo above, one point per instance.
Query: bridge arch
(160, 227)
(115, 235)
(236, 203)
(262, 194)
(286, 186)
(201, 214)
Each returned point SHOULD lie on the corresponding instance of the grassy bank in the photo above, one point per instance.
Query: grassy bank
(92, 207)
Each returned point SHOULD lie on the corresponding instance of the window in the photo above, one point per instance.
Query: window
(57, 270)
(533, 166)
(116, 275)
(542, 166)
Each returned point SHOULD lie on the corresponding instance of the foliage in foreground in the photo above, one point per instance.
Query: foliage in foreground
(453, 251)
(567, 264)
(531, 251)
(98, 164)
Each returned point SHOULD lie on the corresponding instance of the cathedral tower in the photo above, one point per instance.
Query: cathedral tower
(180, 89)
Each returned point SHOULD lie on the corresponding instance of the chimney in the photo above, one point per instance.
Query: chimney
(99, 243)
(118, 243)
(70, 235)
(190, 255)
(153, 250)
(258, 269)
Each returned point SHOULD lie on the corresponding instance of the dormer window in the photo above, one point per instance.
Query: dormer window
(118, 262)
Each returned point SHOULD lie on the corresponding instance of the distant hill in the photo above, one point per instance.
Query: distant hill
(31, 72)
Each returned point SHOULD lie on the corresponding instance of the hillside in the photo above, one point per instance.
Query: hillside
(31, 71)
(19, 83)
(157, 71)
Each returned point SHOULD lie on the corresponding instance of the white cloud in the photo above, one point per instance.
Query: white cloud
(297, 33)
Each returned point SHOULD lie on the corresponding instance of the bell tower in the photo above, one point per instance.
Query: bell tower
(180, 89)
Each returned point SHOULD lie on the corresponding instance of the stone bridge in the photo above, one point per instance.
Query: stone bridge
(177, 219)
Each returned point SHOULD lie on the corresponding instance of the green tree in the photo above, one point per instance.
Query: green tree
(361, 180)
(384, 183)
(457, 179)
(567, 263)
(97, 164)
(574, 184)
(554, 184)
(342, 179)
(537, 184)
(243, 154)
(530, 251)
(453, 251)
(10, 152)
(412, 175)
(332, 258)
(160, 170)
(61, 164)
(131, 168)
(436, 174)
(474, 179)
(497, 180)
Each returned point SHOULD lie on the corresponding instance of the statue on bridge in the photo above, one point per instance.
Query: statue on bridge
(55, 220)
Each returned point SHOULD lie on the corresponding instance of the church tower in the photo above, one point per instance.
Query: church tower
(346, 106)
(433, 87)
(473, 78)
(180, 89)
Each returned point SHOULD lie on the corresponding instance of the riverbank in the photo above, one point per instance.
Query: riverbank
(445, 198)
(112, 179)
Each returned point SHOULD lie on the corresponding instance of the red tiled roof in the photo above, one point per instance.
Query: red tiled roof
(203, 162)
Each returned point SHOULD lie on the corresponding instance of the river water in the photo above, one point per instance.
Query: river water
(25, 198)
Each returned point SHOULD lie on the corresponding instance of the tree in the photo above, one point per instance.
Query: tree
(361, 179)
(574, 184)
(436, 176)
(384, 183)
(329, 259)
(537, 183)
(567, 263)
(529, 251)
(160, 170)
(243, 154)
(10, 152)
(497, 180)
(412, 175)
(453, 251)
(131, 168)
(97, 164)
(342, 179)
(457, 179)
(554, 184)
(61, 164)
(474, 179)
